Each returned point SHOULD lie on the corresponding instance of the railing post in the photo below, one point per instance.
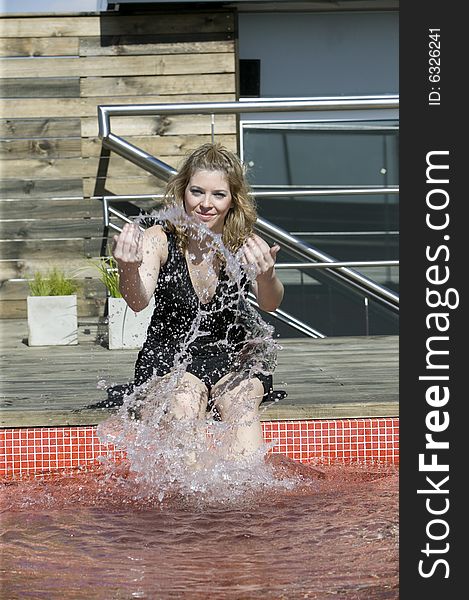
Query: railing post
(367, 317)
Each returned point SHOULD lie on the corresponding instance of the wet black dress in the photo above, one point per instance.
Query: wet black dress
(220, 323)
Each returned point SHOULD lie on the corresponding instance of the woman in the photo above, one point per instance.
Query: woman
(189, 281)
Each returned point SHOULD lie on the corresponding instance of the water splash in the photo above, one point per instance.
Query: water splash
(191, 456)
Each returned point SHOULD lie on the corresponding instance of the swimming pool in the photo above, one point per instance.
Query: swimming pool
(74, 528)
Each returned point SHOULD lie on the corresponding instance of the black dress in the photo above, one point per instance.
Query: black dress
(220, 326)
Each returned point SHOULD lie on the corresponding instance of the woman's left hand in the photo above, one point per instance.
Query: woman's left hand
(257, 252)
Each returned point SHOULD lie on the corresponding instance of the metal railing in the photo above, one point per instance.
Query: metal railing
(164, 171)
(316, 258)
(243, 106)
(313, 257)
(280, 314)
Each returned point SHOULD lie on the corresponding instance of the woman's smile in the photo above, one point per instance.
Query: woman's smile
(204, 216)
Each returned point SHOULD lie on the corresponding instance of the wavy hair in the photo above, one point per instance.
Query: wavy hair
(240, 220)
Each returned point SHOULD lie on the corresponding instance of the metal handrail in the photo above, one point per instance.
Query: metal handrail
(338, 264)
(295, 246)
(164, 171)
(290, 320)
(349, 276)
(363, 191)
(110, 210)
(308, 265)
(280, 314)
(284, 191)
(359, 281)
(296, 191)
(105, 112)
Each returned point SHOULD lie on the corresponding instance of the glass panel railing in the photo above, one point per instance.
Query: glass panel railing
(330, 306)
(320, 157)
(348, 228)
(324, 156)
(366, 156)
(322, 153)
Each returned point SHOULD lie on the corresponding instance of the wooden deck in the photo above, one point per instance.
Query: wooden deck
(329, 378)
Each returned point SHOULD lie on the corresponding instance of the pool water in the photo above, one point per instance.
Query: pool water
(333, 534)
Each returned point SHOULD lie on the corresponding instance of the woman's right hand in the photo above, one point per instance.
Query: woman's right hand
(127, 247)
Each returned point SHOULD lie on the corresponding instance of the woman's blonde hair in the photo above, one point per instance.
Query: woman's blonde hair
(240, 220)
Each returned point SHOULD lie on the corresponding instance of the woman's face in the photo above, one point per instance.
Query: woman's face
(208, 198)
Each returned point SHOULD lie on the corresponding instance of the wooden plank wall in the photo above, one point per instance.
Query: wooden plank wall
(55, 71)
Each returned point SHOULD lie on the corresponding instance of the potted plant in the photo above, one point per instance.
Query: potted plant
(126, 328)
(52, 310)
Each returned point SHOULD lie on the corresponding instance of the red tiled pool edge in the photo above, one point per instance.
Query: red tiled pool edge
(41, 450)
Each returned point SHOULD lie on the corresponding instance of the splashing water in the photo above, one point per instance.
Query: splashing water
(190, 456)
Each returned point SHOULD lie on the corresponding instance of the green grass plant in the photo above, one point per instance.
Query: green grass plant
(107, 267)
(52, 283)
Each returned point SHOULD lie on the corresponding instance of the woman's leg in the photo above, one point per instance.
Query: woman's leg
(185, 399)
(185, 418)
(237, 401)
(190, 398)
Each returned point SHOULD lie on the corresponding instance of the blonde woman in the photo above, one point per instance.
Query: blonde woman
(188, 281)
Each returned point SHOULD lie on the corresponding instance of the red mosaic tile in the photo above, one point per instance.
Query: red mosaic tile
(42, 450)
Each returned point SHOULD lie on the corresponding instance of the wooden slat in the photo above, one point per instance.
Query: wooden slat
(115, 25)
(168, 145)
(48, 188)
(170, 64)
(15, 309)
(41, 229)
(350, 410)
(34, 87)
(46, 249)
(46, 168)
(92, 46)
(40, 128)
(34, 46)
(44, 148)
(53, 168)
(45, 208)
(121, 167)
(166, 24)
(163, 125)
(49, 27)
(87, 107)
(20, 269)
(87, 287)
(143, 184)
(165, 85)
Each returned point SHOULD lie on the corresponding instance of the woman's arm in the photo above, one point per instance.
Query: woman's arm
(267, 287)
(139, 256)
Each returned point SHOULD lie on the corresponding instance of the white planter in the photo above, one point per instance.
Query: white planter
(127, 329)
(52, 320)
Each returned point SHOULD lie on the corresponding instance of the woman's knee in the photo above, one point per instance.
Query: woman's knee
(190, 398)
(239, 402)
